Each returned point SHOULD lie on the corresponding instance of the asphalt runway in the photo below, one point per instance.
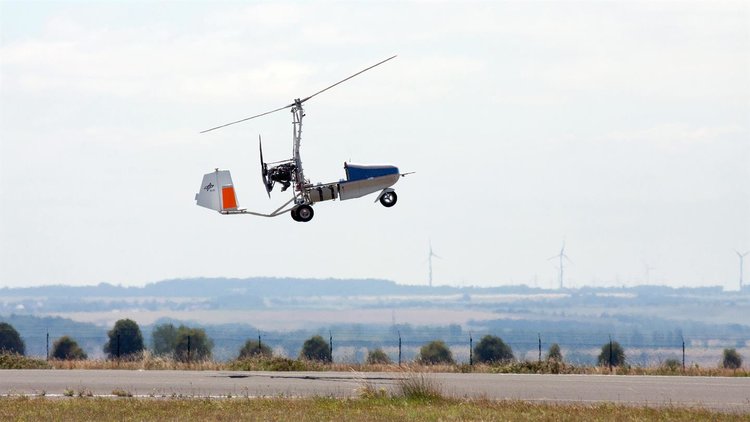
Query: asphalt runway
(717, 393)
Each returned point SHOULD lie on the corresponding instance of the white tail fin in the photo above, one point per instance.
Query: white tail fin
(217, 192)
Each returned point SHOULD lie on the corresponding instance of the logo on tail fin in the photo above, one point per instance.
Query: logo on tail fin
(208, 187)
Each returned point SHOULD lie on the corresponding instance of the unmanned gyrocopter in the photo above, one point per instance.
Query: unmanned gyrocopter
(217, 190)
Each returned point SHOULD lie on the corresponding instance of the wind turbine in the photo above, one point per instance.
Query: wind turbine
(742, 258)
(429, 260)
(561, 255)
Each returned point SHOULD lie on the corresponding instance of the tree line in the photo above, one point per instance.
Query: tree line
(185, 344)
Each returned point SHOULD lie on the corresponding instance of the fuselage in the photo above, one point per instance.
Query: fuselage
(360, 180)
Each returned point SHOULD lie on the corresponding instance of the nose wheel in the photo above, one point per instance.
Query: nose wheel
(302, 213)
(389, 199)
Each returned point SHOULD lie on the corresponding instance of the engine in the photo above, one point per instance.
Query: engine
(283, 173)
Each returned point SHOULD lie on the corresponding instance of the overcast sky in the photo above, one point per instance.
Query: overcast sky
(620, 128)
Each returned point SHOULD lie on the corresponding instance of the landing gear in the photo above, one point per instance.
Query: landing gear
(389, 199)
(302, 213)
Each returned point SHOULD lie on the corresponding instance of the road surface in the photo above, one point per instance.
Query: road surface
(717, 393)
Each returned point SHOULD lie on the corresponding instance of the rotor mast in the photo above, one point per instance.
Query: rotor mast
(298, 112)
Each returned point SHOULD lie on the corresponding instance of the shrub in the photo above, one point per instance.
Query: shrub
(10, 340)
(672, 364)
(65, 348)
(253, 348)
(435, 352)
(732, 359)
(492, 349)
(315, 348)
(377, 356)
(125, 339)
(613, 357)
(164, 339)
(554, 353)
(192, 344)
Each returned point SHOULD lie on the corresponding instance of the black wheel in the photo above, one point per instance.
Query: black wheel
(389, 199)
(294, 215)
(304, 213)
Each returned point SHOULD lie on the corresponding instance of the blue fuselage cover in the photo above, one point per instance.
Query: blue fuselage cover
(359, 172)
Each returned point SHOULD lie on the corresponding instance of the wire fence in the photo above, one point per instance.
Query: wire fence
(403, 344)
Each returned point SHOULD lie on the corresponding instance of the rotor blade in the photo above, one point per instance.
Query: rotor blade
(248, 118)
(437, 256)
(300, 101)
(263, 174)
(344, 80)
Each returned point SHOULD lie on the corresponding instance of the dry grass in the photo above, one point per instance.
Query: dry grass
(148, 361)
(367, 389)
(14, 361)
(119, 392)
(419, 386)
(259, 363)
(317, 409)
(155, 364)
(144, 360)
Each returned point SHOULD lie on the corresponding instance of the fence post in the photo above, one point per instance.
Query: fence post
(330, 344)
(188, 350)
(471, 350)
(260, 349)
(399, 348)
(48, 345)
(540, 346)
(683, 355)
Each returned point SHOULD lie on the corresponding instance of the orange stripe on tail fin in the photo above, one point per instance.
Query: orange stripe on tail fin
(228, 199)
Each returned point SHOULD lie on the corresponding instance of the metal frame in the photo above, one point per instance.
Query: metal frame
(300, 193)
(301, 196)
(280, 210)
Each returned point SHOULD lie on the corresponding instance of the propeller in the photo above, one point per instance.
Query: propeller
(299, 101)
(264, 169)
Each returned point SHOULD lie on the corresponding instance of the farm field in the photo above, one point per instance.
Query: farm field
(289, 319)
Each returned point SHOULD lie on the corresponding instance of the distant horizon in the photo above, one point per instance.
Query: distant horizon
(372, 311)
(423, 285)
